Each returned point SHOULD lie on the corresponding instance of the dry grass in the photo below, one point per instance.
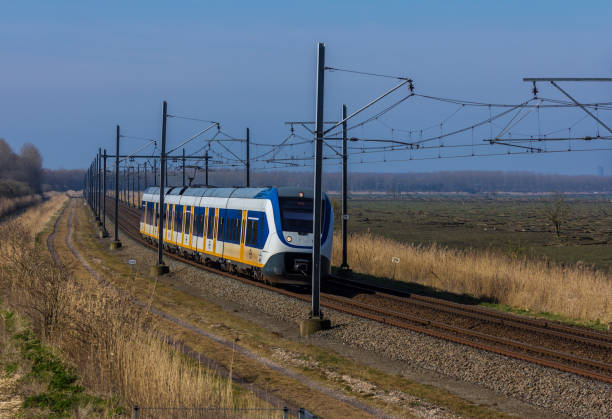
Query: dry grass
(34, 219)
(10, 205)
(113, 345)
(574, 292)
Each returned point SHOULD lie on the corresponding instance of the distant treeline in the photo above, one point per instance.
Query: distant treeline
(20, 174)
(63, 180)
(460, 181)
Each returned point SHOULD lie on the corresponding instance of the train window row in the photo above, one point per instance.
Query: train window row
(229, 224)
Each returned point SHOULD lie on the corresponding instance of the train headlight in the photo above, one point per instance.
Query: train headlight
(289, 238)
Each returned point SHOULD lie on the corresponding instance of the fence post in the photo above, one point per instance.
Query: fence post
(135, 411)
(285, 410)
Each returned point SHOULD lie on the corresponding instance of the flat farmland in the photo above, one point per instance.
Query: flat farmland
(517, 226)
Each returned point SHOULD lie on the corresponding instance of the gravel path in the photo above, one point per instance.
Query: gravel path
(556, 391)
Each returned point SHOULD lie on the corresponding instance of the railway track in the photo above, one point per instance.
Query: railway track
(571, 349)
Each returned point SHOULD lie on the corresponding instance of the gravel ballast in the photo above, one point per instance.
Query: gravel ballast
(563, 393)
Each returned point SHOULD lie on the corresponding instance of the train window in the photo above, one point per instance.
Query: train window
(178, 219)
(296, 214)
(248, 234)
(233, 227)
(229, 230)
(211, 223)
(156, 216)
(236, 231)
(255, 231)
(251, 233)
(167, 219)
(197, 223)
(220, 230)
(143, 214)
(187, 221)
(150, 213)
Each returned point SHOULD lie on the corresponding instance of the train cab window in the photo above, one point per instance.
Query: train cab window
(211, 223)
(143, 213)
(187, 221)
(296, 214)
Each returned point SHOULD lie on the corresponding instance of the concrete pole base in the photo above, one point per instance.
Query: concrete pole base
(115, 244)
(345, 272)
(159, 270)
(310, 326)
(103, 234)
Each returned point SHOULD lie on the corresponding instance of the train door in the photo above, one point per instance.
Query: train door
(210, 230)
(143, 218)
(220, 231)
(197, 229)
(188, 218)
(181, 232)
(169, 222)
(155, 226)
(177, 230)
(242, 233)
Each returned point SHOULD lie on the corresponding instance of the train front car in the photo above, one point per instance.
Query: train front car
(262, 232)
(290, 248)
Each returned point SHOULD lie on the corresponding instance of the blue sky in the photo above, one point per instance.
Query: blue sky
(72, 70)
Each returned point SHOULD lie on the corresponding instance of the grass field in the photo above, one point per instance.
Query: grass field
(515, 226)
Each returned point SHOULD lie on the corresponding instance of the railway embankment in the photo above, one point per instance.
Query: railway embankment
(511, 385)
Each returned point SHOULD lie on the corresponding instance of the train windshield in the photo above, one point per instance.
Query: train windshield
(296, 214)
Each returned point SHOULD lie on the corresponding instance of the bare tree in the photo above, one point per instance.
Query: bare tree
(557, 213)
(31, 167)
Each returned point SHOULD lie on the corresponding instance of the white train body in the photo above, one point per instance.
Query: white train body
(263, 232)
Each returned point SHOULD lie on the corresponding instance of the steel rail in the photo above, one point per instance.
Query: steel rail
(397, 319)
(443, 326)
(583, 335)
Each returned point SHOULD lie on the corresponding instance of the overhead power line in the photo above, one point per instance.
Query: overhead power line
(364, 73)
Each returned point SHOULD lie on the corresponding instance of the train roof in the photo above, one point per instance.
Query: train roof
(254, 193)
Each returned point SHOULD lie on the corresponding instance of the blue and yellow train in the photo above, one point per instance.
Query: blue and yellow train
(266, 233)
